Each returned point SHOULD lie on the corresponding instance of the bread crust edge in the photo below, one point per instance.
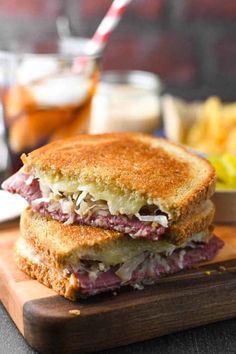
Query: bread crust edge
(49, 277)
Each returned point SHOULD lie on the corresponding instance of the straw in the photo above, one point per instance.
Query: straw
(103, 32)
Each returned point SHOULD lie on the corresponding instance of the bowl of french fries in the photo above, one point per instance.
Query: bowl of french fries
(209, 128)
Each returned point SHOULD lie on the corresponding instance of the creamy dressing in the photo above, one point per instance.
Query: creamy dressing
(141, 113)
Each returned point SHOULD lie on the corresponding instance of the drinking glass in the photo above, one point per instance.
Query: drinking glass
(43, 98)
(126, 101)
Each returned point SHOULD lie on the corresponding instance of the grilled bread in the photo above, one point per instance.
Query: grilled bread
(60, 244)
(82, 260)
(127, 170)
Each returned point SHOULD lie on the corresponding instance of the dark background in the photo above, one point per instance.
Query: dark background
(191, 44)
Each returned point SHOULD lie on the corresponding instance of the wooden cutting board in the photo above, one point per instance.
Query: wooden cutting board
(191, 298)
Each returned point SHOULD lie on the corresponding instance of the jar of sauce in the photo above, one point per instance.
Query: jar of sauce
(126, 101)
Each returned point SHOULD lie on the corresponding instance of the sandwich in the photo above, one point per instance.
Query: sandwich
(127, 182)
(113, 210)
(79, 261)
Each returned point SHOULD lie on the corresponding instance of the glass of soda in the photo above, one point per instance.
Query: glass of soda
(42, 97)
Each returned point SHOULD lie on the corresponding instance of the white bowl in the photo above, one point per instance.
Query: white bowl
(225, 203)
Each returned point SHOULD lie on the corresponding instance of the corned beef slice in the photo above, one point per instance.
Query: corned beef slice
(22, 183)
(151, 269)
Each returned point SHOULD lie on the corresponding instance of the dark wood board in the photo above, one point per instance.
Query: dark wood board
(188, 299)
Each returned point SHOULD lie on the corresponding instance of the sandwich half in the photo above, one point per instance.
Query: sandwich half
(127, 182)
(78, 261)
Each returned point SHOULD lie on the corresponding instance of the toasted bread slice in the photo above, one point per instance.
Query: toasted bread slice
(94, 279)
(80, 261)
(51, 277)
(73, 284)
(134, 168)
(61, 244)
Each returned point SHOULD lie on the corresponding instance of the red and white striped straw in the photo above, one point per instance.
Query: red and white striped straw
(103, 32)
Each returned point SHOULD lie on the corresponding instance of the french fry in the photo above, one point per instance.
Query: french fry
(197, 132)
(229, 114)
(215, 129)
(213, 114)
(231, 143)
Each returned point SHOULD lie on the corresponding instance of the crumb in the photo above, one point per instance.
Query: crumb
(195, 266)
(114, 293)
(74, 312)
(208, 272)
(222, 269)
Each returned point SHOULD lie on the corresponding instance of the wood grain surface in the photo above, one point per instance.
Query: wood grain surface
(188, 299)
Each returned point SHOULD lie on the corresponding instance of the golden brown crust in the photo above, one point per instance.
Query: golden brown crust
(133, 162)
(57, 241)
(68, 235)
(48, 276)
(180, 231)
